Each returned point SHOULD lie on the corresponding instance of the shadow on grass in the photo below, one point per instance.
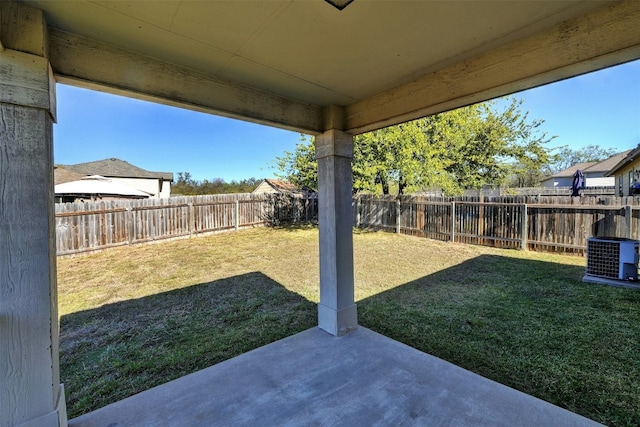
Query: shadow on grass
(532, 325)
(120, 349)
(294, 227)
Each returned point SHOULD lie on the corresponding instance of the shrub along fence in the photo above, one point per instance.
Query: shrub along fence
(541, 223)
(558, 224)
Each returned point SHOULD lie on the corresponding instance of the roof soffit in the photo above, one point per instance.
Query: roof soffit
(626, 161)
(369, 54)
(308, 47)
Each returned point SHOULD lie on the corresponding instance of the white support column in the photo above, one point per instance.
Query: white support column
(337, 312)
(30, 389)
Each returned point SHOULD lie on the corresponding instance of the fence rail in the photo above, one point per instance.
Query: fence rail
(533, 223)
(86, 227)
(558, 224)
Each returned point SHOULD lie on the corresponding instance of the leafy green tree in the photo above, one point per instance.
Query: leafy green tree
(567, 157)
(402, 155)
(488, 144)
(466, 148)
(184, 184)
(187, 186)
(299, 166)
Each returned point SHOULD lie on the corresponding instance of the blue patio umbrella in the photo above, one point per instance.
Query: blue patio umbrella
(578, 183)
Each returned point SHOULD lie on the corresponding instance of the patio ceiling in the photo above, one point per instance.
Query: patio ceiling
(296, 64)
(283, 62)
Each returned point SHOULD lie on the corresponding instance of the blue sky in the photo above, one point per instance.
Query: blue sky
(601, 108)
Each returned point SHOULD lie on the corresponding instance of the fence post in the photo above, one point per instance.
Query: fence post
(424, 227)
(453, 221)
(237, 214)
(628, 215)
(131, 228)
(481, 217)
(314, 209)
(525, 228)
(191, 218)
(276, 210)
(398, 216)
(358, 211)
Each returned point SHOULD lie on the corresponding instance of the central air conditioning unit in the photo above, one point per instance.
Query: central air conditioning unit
(612, 258)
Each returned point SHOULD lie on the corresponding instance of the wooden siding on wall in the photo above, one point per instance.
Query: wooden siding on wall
(634, 169)
(263, 187)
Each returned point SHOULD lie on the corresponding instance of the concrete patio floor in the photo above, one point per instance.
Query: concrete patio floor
(313, 378)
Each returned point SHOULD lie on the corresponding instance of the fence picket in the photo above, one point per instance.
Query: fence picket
(546, 223)
(91, 226)
(542, 223)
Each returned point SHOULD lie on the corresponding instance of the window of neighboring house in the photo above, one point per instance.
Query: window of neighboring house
(630, 182)
(620, 186)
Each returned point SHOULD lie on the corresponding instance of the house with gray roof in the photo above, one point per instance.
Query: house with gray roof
(62, 175)
(278, 186)
(157, 184)
(626, 174)
(273, 186)
(595, 173)
(95, 187)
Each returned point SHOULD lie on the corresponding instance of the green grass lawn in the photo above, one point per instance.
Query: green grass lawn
(136, 317)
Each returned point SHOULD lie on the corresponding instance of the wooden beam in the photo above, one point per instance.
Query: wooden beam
(29, 367)
(27, 80)
(22, 28)
(91, 64)
(605, 37)
(333, 117)
(30, 389)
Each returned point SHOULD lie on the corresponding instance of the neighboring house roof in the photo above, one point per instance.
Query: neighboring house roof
(97, 185)
(606, 165)
(603, 167)
(118, 169)
(569, 172)
(629, 158)
(282, 186)
(62, 174)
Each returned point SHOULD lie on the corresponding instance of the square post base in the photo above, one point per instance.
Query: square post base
(337, 322)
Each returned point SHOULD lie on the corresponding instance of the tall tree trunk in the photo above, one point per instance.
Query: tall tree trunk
(401, 186)
(385, 184)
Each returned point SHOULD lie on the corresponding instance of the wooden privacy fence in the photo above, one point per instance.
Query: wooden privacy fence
(559, 225)
(85, 227)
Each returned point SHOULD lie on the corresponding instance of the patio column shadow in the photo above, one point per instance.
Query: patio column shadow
(141, 343)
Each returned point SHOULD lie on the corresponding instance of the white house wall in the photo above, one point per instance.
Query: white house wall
(600, 181)
(558, 182)
(150, 185)
(165, 193)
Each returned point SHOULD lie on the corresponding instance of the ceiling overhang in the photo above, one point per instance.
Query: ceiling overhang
(291, 63)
